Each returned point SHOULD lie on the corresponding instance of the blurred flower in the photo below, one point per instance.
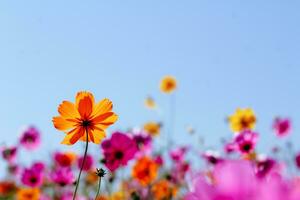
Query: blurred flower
(246, 141)
(145, 170)
(230, 147)
(91, 177)
(168, 84)
(9, 153)
(33, 176)
(28, 194)
(6, 188)
(163, 190)
(297, 160)
(118, 150)
(242, 119)
(159, 160)
(30, 138)
(281, 126)
(88, 164)
(264, 167)
(212, 157)
(64, 159)
(152, 128)
(62, 176)
(85, 116)
(142, 140)
(178, 153)
(150, 103)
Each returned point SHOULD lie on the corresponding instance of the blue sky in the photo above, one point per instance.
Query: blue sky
(224, 54)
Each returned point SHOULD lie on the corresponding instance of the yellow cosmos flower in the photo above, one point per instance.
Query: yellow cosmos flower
(168, 84)
(28, 194)
(84, 118)
(242, 119)
(152, 128)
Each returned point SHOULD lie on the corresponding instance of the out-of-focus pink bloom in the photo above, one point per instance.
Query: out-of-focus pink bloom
(9, 153)
(33, 176)
(30, 138)
(118, 150)
(230, 147)
(265, 167)
(200, 190)
(297, 160)
(143, 142)
(212, 157)
(178, 154)
(159, 160)
(88, 164)
(179, 171)
(62, 176)
(69, 196)
(282, 126)
(246, 141)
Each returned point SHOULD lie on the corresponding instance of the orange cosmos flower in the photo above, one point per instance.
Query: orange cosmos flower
(168, 84)
(152, 128)
(145, 170)
(28, 194)
(163, 190)
(84, 117)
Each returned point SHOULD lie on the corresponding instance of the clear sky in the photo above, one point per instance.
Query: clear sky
(225, 54)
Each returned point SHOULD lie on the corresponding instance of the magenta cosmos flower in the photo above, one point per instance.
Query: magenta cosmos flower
(118, 150)
(246, 141)
(178, 154)
(33, 176)
(62, 176)
(30, 138)
(282, 126)
(9, 153)
(88, 164)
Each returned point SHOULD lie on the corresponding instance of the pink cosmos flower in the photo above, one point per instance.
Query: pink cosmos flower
(211, 157)
(282, 126)
(33, 176)
(246, 141)
(178, 154)
(143, 142)
(118, 150)
(62, 176)
(30, 138)
(297, 160)
(88, 164)
(159, 160)
(9, 153)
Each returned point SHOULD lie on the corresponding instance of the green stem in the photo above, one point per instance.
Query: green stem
(82, 164)
(98, 190)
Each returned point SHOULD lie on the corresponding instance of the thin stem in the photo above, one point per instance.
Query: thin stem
(82, 164)
(98, 190)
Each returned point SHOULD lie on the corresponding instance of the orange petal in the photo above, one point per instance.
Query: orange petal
(85, 107)
(68, 110)
(82, 95)
(73, 136)
(62, 124)
(102, 106)
(98, 135)
(109, 120)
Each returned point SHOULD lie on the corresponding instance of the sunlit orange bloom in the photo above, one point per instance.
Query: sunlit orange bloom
(28, 194)
(168, 84)
(163, 189)
(242, 119)
(91, 177)
(145, 170)
(150, 103)
(152, 128)
(85, 117)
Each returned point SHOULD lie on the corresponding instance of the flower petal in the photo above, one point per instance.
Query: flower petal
(103, 106)
(62, 124)
(68, 110)
(82, 95)
(85, 107)
(73, 136)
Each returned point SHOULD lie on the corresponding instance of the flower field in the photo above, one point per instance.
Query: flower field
(132, 165)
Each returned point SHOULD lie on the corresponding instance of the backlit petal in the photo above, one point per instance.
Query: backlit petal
(68, 110)
(85, 107)
(62, 124)
(102, 106)
(73, 136)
